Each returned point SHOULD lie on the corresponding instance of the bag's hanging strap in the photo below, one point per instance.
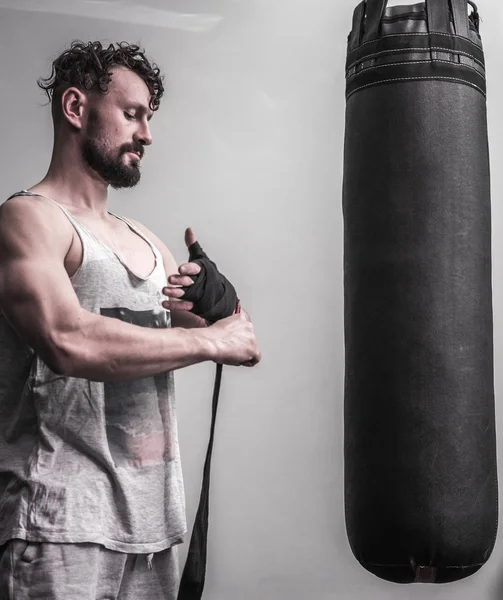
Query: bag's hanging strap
(356, 29)
(437, 11)
(460, 15)
(194, 572)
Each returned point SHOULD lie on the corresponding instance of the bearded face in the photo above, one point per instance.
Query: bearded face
(114, 164)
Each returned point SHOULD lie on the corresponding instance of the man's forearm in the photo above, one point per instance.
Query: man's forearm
(108, 349)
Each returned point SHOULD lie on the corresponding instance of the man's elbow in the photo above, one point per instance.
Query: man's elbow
(53, 356)
(62, 355)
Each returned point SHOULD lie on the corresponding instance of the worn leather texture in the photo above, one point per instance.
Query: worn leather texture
(421, 494)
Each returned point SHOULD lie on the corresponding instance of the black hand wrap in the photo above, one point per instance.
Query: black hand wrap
(214, 297)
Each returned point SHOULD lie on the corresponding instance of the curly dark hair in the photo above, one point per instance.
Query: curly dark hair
(87, 66)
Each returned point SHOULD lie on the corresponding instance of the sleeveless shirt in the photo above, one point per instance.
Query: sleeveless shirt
(91, 461)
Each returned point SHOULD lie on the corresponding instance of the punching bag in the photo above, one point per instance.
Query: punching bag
(419, 432)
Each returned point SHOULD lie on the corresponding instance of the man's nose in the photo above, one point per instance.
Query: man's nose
(143, 134)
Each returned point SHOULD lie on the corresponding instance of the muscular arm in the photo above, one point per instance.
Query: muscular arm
(38, 300)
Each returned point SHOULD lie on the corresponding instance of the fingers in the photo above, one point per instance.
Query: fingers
(174, 304)
(178, 280)
(173, 292)
(253, 361)
(182, 277)
(246, 315)
(189, 268)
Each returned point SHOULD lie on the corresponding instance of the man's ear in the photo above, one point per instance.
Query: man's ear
(73, 105)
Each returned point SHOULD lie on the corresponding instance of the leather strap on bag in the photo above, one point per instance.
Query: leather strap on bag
(438, 17)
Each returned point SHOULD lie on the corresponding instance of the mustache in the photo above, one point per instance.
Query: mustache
(138, 149)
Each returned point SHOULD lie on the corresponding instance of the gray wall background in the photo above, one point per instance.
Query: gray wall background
(248, 151)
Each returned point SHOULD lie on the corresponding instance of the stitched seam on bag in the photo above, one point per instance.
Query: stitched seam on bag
(417, 78)
(495, 481)
(413, 62)
(443, 567)
(368, 56)
(408, 34)
(11, 582)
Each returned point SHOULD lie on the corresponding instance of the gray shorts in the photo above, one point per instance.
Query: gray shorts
(48, 571)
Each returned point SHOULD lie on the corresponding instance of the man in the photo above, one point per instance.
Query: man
(91, 491)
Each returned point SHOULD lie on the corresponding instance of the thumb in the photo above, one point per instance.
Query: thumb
(190, 237)
(195, 250)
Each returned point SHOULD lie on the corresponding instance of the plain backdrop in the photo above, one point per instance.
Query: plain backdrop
(248, 151)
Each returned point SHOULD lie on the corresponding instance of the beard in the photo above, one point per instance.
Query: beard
(107, 163)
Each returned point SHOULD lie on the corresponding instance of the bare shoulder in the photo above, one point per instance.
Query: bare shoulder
(33, 219)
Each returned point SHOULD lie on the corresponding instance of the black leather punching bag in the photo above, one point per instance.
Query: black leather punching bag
(420, 451)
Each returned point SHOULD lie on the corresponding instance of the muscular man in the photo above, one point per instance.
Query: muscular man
(93, 323)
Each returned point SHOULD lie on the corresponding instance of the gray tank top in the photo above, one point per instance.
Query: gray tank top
(90, 461)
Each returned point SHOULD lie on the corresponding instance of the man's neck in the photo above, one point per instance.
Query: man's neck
(76, 187)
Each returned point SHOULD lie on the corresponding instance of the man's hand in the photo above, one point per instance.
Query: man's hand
(174, 291)
(234, 340)
(199, 287)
